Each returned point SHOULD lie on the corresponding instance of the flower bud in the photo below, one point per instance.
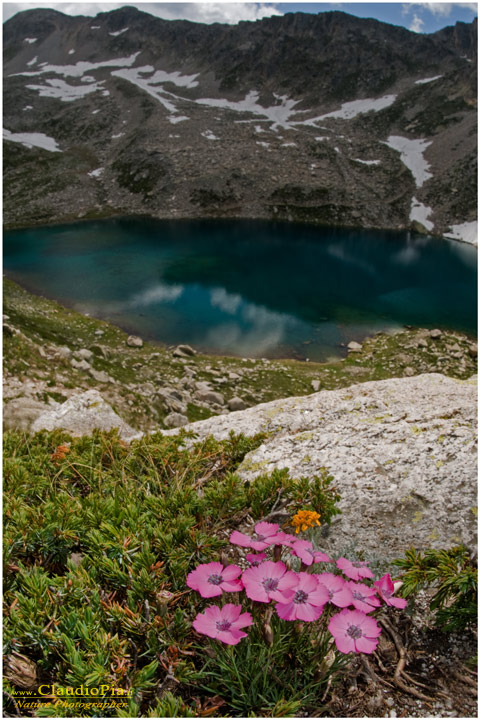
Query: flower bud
(268, 634)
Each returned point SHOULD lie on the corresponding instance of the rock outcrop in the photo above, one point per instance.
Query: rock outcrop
(83, 413)
(402, 452)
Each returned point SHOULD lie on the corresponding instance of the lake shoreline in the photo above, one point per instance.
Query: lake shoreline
(121, 215)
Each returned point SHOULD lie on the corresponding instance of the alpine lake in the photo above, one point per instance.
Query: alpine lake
(249, 288)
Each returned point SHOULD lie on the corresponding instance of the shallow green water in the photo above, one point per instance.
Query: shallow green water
(245, 287)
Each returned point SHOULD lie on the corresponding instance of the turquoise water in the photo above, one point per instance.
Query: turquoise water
(248, 288)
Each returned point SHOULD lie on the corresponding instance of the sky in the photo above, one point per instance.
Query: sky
(424, 17)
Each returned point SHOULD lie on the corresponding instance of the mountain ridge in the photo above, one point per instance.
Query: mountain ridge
(289, 117)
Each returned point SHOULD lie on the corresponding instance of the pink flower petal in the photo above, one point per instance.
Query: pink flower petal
(230, 572)
(233, 586)
(365, 644)
(238, 538)
(397, 602)
(207, 590)
(230, 638)
(339, 623)
(308, 612)
(243, 620)
(345, 644)
(286, 611)
(307, 583)
(319, 596)
(231, 612)
(266, 528)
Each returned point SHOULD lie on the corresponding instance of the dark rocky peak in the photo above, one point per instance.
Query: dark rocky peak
(461, 38)
(38, 23)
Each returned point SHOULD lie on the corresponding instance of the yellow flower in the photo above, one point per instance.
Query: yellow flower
(304, 519)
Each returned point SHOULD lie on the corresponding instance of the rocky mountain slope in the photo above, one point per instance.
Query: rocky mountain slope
(329, 118)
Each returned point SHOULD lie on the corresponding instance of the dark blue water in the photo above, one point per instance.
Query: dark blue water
(245, 287)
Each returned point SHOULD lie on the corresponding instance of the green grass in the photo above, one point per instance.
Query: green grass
(99, 538)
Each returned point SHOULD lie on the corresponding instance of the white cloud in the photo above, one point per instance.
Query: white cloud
(416, 24)
(444, 9)
(221, 12)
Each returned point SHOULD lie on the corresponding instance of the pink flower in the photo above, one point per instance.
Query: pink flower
(211, 579)
(268, 581)
(255, 558)
(304, 550)
(364, 597)
(385, 588)
(264, 536)
(354, 570)
(338, 591)
(304, 601)
(223, 623)
(354, 631)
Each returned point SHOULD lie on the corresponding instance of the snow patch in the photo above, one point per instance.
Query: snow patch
(174, 119)
(411, 154)
(427, 80)
(96, 173)
(61, 90)
(118, 135)
(28, 107)
(419, 213)
(82, 67)
(350, 110)
(70, 52)
(263, 144)
(30, 41)
(94, 112)
(94, 27)
(209, 135)
(33, 61)
(322, 137)
(31, 140)
(367, 162)
(119, 32)
(152, 85)
(289, 144)
(279, 115)
(466, 232)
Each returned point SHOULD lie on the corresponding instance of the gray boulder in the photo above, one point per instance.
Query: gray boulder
(354, 346)
(184, 351)
(236, 403)
(20, 412)
(175, 420)
(210, 397)
(83, 354)
(83, 413)
(134, 341)
(80, 364)
(402, 452)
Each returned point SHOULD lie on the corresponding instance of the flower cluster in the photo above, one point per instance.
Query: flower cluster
(300, 596)
(304, 519)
